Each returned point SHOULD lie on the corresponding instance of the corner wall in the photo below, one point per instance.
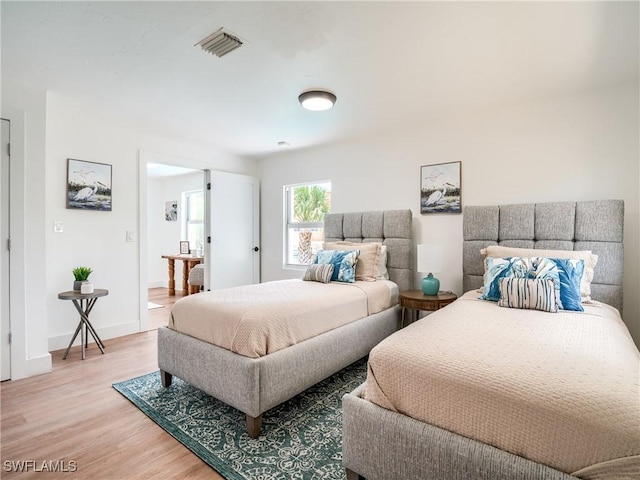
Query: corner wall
(579, 147)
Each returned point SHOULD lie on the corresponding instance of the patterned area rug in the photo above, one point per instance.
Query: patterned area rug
(301, 439)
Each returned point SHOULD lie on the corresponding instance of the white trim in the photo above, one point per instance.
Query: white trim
(17, 283)
(61, 342)
(39, 365)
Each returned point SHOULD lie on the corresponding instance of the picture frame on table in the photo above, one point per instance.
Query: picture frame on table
(184, 248)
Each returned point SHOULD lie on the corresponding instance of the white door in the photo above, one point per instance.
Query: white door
(232, 251)
(5, 346)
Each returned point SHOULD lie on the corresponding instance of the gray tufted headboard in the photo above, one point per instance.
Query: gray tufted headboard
(391, 227)
(595, 225)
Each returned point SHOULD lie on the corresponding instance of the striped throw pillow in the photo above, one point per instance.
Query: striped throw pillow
(528, 293)
(319, 272)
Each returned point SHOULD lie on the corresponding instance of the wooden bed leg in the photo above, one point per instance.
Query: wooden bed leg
(351, 475)
(254, 424)
(165, 378)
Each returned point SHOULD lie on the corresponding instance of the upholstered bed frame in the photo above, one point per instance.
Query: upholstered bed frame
(254, 385)
(381, 444)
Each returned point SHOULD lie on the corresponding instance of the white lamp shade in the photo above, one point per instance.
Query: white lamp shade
(430, 258)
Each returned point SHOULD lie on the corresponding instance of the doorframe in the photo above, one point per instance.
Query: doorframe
(5, 282)
(18, 259)
(145, 157)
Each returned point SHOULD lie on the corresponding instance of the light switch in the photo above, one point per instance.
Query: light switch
(129, 236)
(57, 226)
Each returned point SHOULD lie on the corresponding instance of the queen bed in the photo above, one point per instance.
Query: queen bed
(253, 352)
(479, 391)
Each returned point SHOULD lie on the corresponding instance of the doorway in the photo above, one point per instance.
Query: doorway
(222, 214)
(175, 214)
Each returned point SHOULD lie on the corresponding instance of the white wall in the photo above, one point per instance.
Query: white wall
(581, 147)
(57, 127)
(166, 235)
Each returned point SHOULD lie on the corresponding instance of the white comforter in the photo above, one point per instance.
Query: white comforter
(255, 320)
(560, 389)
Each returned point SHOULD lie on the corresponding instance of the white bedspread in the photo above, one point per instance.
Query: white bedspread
(560, 389)
(255, 320)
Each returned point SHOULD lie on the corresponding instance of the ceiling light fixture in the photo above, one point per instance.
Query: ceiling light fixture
(317, 100)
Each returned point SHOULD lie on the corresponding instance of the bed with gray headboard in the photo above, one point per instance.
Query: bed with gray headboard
(472, 337)
(255, 385)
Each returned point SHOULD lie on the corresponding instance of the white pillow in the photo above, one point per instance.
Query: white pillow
(590, 260)
(381, 267)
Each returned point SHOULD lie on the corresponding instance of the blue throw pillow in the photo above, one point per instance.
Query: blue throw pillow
(519, 267)
(570, 273)
(344, 263)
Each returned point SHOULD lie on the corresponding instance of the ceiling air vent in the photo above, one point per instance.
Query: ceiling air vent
(219, 43)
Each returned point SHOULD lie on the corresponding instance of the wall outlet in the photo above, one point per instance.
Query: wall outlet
(57, 226)
(129, 236)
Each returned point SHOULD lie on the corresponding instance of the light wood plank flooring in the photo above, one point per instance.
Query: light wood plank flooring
(158, 317)
(73, 413)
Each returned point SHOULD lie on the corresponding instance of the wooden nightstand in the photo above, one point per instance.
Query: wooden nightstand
(416, 300)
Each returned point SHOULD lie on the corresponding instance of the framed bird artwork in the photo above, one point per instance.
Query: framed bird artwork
(88, 185)
(441, 188)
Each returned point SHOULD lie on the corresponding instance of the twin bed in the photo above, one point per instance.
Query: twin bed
(244, 354)
(473, 391)
(485, 392)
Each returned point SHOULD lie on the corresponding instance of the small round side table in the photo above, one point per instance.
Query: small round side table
(84, 303)
(416, 300)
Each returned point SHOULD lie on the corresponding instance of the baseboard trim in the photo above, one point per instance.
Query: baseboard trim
(112, 331)
(39, 365)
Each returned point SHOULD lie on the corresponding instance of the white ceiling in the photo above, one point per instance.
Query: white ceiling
(391, 64)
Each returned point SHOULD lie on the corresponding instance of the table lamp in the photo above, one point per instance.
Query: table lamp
(430, 260)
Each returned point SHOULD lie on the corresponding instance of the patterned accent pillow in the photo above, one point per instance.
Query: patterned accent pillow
(528, 293)
(344, 263)
(570, 273)
(589, 258)
(319, 273)
(531, 267)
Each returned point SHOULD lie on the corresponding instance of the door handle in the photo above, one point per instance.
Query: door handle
(255, 249)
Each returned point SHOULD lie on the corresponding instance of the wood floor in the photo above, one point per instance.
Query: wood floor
(159, 317)
(73, 414)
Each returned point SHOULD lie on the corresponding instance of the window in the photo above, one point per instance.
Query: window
(193, 226)
(305, 207)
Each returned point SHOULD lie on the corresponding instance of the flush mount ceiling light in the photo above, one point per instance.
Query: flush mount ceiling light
(317, 100)
(219, 43)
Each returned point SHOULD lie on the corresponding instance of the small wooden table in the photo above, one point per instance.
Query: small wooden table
(188, 262)
(417, 300)
(84, 302)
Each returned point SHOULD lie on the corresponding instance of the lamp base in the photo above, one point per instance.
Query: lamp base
(430, 285)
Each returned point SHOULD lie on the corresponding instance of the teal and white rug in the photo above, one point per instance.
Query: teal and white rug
(300, 439)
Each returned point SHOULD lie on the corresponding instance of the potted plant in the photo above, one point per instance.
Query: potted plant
(81, 274)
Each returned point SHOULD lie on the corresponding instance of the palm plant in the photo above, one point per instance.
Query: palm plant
(310, 203)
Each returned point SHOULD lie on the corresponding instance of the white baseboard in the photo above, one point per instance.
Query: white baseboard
(112, 331)
(39, 365)
(157, 284)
